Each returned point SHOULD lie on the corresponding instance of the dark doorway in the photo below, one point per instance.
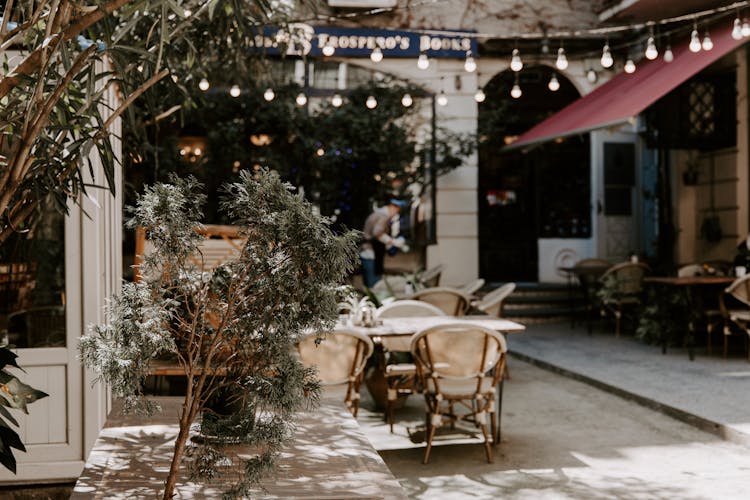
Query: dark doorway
(524, 196)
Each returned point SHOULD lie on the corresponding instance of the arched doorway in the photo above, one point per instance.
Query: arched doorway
(525, 196)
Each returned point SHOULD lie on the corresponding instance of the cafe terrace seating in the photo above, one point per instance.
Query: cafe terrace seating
(493, 302)
(623, 283)
(401, 377)
(340, 358)
(449, 300)
(734, 304)
(455, 367)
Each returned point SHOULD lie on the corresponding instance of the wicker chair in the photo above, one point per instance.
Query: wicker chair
(449, 300)
(472, 287)
(493, 302)
(400, 377)
(455, 366)
(431, 277)
(734, 305)
(624, 284)
(340, 359)
(588, 272)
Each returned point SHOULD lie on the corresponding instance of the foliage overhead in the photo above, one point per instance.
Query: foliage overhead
(232, 330)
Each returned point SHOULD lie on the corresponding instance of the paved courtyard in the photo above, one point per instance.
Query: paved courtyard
(563, 438)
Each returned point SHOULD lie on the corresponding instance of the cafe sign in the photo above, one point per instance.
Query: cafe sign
(303, 39)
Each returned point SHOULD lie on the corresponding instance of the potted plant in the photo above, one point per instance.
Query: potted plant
(232, 330)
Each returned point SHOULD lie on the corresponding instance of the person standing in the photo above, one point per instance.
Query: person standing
(378, 240)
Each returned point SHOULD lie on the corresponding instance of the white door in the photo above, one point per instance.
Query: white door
(618, 205)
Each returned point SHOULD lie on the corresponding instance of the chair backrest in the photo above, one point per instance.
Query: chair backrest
(740, 289)
(592, 262)
(431, 277)
(340, 356)
(449, 300)
(690, 270)
(458, 351)
(493, 302)
(627, 277)
(408, 308)
(472, 287)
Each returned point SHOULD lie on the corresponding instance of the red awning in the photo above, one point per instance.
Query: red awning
(627, 95)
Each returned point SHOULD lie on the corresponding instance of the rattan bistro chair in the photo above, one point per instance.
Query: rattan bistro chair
(734, 305)
(431, 277)
(455, 366)
(340, 358)
(449, 300)
(624, 284)
(400, 377)
(494, 302)
(469, 289)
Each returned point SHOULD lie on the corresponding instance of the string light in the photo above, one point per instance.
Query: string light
(553, 84)
(480, 96)
(515, 61)
(745, 28)
(235, 91)
(203, 84)
(607, 60)
(591, 75)
(470, 64)
(707, 43)
(516, 91)
(371, 102)
(668, 55)
(269, 94)
(376, 55)
(329, 50)
(651, 51)
(337, 100)
(407, 101)
(442, 99)
(423, 62)
(695, 42)
(562, 61)
(301, 99)
(737, 29)
(629, 66)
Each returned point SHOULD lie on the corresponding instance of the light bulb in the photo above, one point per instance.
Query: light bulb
(423, 62)
(591, 76)
(553, 84)
(651, 50)
(516, 92)
(707, 43)
(328, 50)
(406, 101)
(269, 94)
(442, 99)
(480, 96)
(745, 28)
(301, 99)
(737, 29)
(371, 102)
(336, 100)
(235, 91)
(695, 42)
(629, 66)
(376, 55)
(607, 60)
(470, 64)
(668, 55)
(203, 84)
(515, 61)
(562, 61)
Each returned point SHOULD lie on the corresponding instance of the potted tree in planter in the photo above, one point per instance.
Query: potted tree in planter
(232, 329)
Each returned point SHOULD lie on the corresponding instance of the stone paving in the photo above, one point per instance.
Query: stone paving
(565, 438)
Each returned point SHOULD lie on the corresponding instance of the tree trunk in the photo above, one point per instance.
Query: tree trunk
(179, 450)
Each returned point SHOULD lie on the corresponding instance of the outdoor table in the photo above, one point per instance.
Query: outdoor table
(694, 298)
(329, 457)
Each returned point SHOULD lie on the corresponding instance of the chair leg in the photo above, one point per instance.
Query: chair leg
(487, 448)
(618, 317)
(389, 404)
(430, 435)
